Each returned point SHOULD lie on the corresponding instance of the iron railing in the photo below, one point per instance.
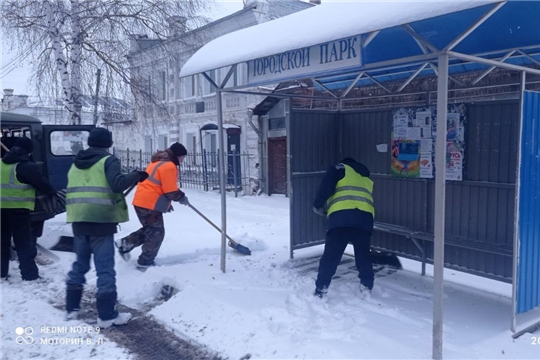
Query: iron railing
(198, 170)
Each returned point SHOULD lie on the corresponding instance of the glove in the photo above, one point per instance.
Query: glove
(170, 209)
(143, 175)
(61, 197)
(184, 200)
(59, 202)
(319, 211)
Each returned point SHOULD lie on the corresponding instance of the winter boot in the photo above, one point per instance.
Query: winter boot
(73, 302)
(321, 292)
(108, 315)
(365, 292)
(120, 319)
(145, 266)
(123, 248)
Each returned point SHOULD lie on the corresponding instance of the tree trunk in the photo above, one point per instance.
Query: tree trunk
(61, 62)
(76, 36)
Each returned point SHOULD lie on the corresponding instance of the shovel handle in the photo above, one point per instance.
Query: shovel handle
(211, 223)
(4, 146)
(129, 189)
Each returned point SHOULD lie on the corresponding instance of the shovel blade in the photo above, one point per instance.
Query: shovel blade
(240, 248)
(65, 243)
(386, 259)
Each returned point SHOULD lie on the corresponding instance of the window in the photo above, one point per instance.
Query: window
(148, 144)
(163, 86)
(233, 80)
(213, 76)
(210, 88)
(277, 123)
(162, 142)
(68, 143)
(190, 86)
(10, 134)
(148, 87)
(191, 142)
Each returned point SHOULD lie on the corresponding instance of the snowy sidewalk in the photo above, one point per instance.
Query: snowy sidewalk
(263, 305)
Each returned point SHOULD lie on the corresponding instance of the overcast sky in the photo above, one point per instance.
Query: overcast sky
(16, 77)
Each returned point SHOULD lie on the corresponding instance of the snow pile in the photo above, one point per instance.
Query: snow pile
(263, 304)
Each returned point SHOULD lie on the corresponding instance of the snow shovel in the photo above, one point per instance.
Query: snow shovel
(65, 243)
(236, 246)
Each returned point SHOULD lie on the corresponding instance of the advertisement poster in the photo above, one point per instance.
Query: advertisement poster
(408, 141)
(413, 142)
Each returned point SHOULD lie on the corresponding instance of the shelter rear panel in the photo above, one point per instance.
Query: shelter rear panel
(314, 146)
(479, 210)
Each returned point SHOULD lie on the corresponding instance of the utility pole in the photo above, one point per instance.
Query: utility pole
(97, 97)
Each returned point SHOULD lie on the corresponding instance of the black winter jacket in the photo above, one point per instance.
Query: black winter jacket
(28, 172)
(118, 182)
(346, 218)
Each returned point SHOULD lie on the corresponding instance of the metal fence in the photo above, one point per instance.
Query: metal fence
(199, 170)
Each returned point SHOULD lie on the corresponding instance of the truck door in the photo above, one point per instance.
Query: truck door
(62, 143)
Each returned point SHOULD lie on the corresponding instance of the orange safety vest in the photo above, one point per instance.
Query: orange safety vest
(162, 179)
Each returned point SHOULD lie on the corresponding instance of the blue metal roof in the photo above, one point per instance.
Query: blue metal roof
(514, 26)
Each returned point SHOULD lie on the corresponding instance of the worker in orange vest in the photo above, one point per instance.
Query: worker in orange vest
(153, 198)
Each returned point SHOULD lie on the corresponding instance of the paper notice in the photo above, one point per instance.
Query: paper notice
(382, 148)
(401, 121)
(401, 133)
(426, 165)
(413, 133)
(425, 132)
(454, 167)
(426, 145)
(423, 118)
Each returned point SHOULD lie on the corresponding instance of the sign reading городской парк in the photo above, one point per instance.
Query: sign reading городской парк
(315, 59)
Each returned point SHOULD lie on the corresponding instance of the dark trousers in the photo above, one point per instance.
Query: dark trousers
(336, 242)
(16, 223)
(150, 236)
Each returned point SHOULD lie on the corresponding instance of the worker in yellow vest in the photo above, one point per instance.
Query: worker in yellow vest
(20, 178)
(95, 205)
(345, 197)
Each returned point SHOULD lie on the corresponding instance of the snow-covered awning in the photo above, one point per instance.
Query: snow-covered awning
(343, 37)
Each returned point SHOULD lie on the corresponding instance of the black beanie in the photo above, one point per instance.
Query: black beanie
(24, 143)
(100, 138)
(178, 149)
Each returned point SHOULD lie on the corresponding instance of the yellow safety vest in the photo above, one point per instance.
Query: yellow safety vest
(354, 191)
(13, 193)
(90, 199)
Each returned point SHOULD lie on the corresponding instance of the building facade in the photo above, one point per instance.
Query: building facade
(169, 109)
(52, 111)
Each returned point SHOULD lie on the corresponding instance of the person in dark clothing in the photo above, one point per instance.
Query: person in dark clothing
(20, 180)
(152, 199)
(345, 197)
(95, 205)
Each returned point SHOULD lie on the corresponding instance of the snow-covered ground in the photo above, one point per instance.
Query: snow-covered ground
(263, 304)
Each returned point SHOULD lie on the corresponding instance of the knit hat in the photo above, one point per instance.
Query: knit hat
(178, 149)
(100, 138)
(24, 143)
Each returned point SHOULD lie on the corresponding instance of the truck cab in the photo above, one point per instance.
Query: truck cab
(55, 147)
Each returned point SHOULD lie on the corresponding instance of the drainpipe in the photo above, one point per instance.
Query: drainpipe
(259, 144)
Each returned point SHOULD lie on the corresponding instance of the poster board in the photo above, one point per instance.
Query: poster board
(413, 142)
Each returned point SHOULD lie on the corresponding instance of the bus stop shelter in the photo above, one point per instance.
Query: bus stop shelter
(347, 46)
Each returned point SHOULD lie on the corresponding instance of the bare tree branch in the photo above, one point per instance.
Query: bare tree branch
(68, 40)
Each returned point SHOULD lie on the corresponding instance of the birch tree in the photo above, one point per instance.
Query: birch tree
(67, 41)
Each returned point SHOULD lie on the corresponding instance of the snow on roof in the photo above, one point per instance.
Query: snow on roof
(317, 25)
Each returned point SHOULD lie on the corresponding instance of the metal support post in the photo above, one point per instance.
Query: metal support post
(222, 154)
(440, 200)
(516, 206)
